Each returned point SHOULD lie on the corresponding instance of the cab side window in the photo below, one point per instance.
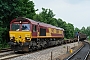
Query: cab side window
(34, 28)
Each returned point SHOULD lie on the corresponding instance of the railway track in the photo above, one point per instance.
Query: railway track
(80, 54)
(8, 55)
(88, 58)
(11, 54)
(5, 50)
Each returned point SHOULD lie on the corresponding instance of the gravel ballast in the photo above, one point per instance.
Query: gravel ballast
(46, 54)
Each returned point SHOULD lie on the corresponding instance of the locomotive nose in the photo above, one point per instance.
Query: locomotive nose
(20, 36)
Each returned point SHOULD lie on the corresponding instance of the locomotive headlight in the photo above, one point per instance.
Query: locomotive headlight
(27, 38)
(12, 38)
(19, 36)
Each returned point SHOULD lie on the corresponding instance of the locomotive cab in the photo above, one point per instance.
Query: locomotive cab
(20, 34)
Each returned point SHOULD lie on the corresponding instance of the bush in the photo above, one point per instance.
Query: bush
(3, 43)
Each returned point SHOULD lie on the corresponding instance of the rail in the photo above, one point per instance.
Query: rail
(5, 50)
(80, 54)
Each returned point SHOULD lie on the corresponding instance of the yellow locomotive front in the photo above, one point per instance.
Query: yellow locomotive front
(20, 35)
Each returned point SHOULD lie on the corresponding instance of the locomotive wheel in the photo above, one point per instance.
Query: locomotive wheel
(33, 47)
(41, 47)
(45, 46)
(30, 50)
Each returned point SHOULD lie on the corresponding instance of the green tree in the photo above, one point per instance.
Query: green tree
(76, 30)
(53, 21)
(7, 12)
(26, 8)
(88, 32)
(83, 30)
(46, 16)
(69, 28)
(61, 23)
(11, 9)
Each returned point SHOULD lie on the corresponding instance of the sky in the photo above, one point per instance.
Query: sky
(76, 12)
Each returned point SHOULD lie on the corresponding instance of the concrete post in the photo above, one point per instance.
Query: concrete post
(67, 49)
(51, 55)
(78, 39)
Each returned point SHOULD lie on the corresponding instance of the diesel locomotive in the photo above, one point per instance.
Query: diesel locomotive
(27, 34)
